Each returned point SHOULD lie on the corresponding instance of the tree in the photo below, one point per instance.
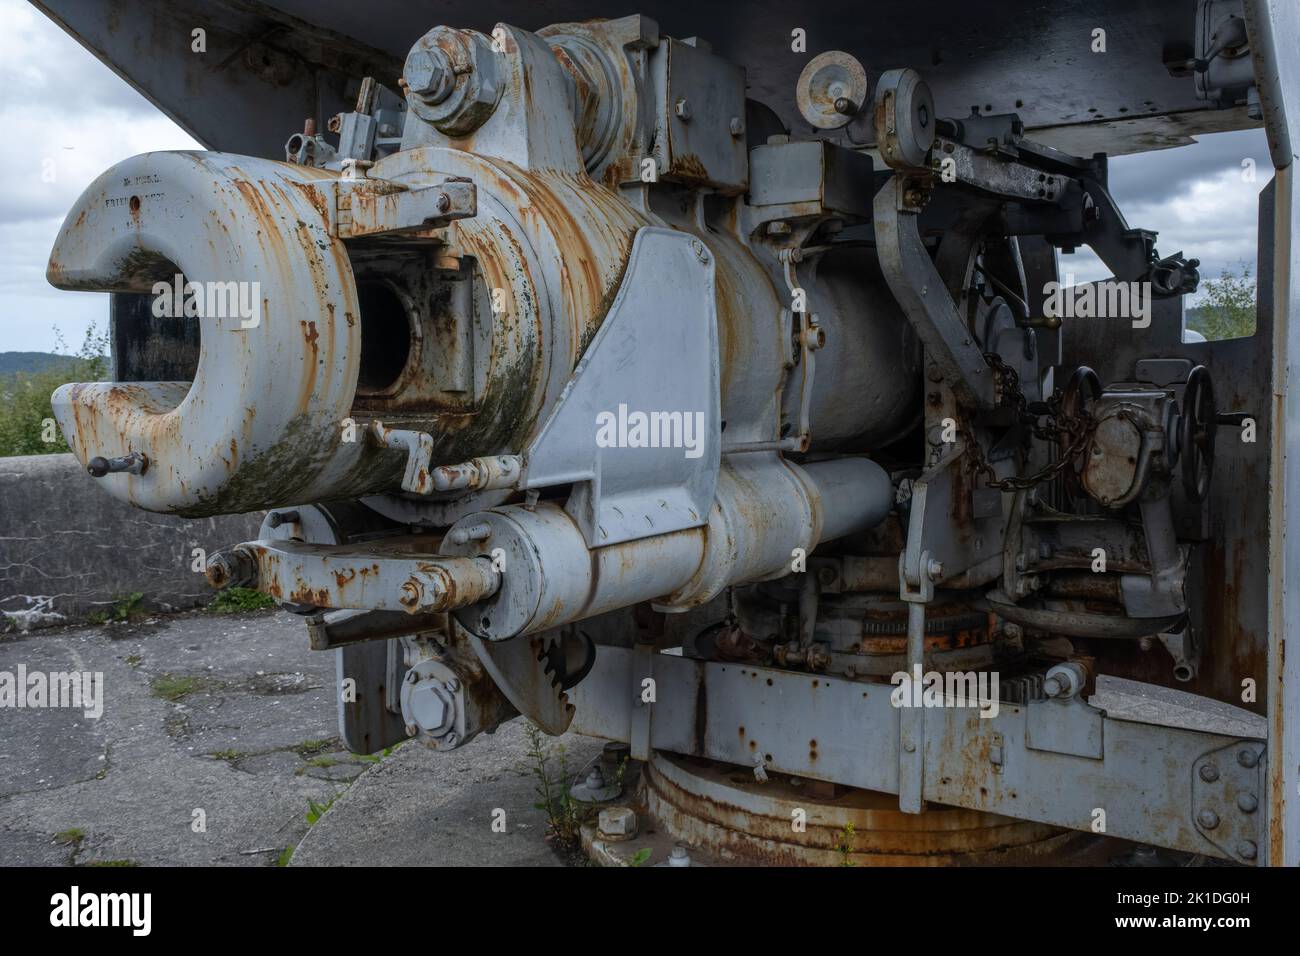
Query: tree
(1228, 311)
(25, 396)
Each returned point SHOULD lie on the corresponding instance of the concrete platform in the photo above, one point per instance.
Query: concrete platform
(234, 717)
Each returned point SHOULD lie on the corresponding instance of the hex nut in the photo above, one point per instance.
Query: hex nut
(617, 823)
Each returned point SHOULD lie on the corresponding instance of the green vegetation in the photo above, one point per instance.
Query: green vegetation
(128, 607)
(548, 765)
(640, 856)
(70, 836)
(309, 747)
(26, 417)
(1228, 311)
(845, 847)
(173, 686)
(285, 856)
(235, 600)
(317, 810)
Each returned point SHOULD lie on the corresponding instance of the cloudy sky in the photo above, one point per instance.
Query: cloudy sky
(61, 111)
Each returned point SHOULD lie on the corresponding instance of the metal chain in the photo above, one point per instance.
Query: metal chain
(1055, 424)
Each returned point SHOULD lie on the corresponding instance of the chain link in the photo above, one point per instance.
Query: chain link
(1070, 432)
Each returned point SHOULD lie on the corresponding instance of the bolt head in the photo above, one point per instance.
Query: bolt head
(1208, 819)
(682, 108)
(1209, 772)
(1247, 802)
(429, 74)
(618, 823)
(1247, 849)
(1247, 758)
(736, 126)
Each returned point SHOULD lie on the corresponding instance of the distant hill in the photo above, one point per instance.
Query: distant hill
(11, 362)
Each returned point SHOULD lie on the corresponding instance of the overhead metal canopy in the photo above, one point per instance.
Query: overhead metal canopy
(267, 66)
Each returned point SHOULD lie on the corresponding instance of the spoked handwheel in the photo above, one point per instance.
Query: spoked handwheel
(1196, 434)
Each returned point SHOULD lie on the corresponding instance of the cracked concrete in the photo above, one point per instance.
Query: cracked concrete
(250, 738)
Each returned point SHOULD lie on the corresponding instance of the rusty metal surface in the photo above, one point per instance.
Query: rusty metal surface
(723, 810)
(792, 723)
(350, 576)
(259, 426)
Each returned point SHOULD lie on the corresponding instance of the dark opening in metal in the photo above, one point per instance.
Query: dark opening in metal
(385, 336)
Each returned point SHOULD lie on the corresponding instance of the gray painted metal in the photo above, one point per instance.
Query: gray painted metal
(795, 723)
(1277, 31)
(1010, 56)
(664, 481)
(491, 179)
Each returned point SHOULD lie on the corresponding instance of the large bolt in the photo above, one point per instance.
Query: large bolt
(411, 595)
(1247, 758)
(679, 857)
(430, 74)
(1247, 802)
(1208, 819)
(617, 823)
(1247, 849)
(277, 518)
(235, 568)
(1209, 772)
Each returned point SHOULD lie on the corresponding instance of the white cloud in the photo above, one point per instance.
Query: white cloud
(66, 118)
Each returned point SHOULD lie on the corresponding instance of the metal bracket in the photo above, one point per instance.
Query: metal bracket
(921, 292)
(372, 207)
(652, 366)
(1226, 788)
(419, 450)
(642, 667)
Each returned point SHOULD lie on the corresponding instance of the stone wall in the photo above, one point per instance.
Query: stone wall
(68, 548)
